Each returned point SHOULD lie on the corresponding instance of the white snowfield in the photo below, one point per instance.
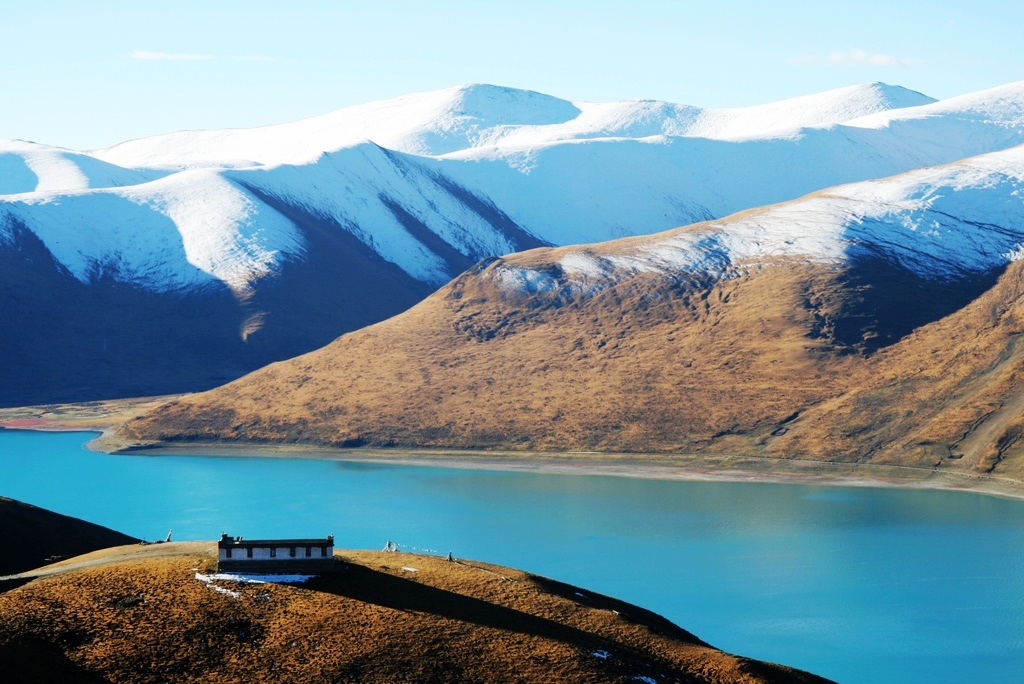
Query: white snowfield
(29, 167)
(464, 117)
(423, 177)
(939, 222)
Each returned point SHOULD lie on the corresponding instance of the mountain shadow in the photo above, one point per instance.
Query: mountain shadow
(875, 302)
(66, 340)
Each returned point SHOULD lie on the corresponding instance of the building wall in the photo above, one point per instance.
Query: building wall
(264, 553)
(301, 566)
(263, 561)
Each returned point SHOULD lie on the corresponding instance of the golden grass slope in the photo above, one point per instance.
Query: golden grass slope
(141, 615)
(862, 364)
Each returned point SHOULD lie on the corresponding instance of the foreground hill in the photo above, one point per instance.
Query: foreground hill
(32, 535)
(876, 322)
(180, 262)
(155, 614)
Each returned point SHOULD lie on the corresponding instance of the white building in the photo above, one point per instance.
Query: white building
(275, 555)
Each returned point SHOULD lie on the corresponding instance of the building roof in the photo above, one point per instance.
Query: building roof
(239, 542)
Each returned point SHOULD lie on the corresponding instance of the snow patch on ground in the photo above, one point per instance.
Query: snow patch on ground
(246, 578)
(208, 581)
(258, 578)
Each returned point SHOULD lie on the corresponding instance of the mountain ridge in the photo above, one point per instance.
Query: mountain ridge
(482, 115)
(251, 246)
(891, 349)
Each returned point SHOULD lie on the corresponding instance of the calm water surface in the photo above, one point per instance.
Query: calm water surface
(859, 585)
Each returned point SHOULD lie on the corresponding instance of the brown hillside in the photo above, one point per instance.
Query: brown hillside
(861, 363)
(31, 535)
(141, 615)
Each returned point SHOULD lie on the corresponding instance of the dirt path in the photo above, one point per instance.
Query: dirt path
(118, 554)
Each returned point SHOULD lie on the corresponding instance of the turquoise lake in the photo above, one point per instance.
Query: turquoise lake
(859, 585)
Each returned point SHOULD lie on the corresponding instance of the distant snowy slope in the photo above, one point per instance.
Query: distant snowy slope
(467, 172)
(204, 225)
(588, 190)
(430, 123)
(645, 118)
(445, 121)
(824, 109)
(965, 125)
(939, 223)
(30, 167)
(188, 230)
(399, 205)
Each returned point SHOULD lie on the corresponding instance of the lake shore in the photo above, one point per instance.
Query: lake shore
(693, 467)
(105, 416)
(99, 416)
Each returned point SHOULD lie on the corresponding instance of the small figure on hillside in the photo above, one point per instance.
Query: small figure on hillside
(391, 547)
(168, 535)
(450, 558)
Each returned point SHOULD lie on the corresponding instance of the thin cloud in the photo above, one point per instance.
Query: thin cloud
(177, 57)
(186, 57)
(856, 58)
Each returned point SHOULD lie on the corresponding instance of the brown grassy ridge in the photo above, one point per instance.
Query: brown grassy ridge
(472, 367)
(860, 364)
(139, 614)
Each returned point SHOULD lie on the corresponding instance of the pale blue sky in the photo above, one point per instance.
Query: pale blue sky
(87, 75)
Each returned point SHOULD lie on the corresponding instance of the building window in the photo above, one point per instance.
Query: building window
(291, 552)
(309, 552)
(228, 551)
(248, 552)
(323, 551)
(273, 552)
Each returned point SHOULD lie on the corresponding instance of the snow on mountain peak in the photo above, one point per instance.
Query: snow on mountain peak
(497, 105)
(821, 109)
(428, 123)
(1001, 105)
(430, 180)
(466, 117)
(894, 96)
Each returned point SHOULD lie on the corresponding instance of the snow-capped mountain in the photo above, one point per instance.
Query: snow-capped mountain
(395, 198)
(469, 164)
(938, 223)
(874, 322)
(456, 119)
